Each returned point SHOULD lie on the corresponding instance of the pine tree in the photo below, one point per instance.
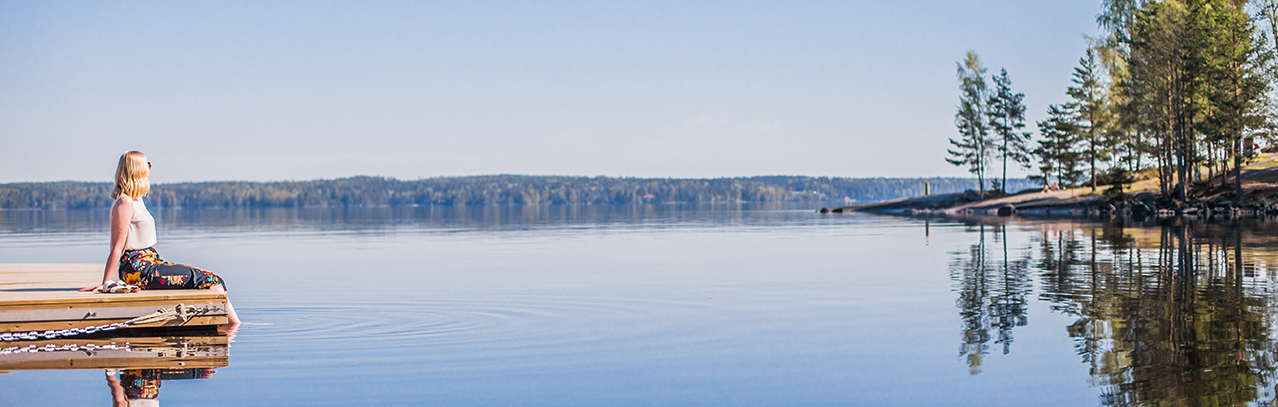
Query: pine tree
(1007, 119)
(1089, 103)
(1234, 84)
(1056, 148)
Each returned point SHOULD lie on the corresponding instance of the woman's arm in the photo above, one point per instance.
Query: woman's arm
(121, 215)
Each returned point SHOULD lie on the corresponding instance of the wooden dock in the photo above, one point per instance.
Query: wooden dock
(40, 297)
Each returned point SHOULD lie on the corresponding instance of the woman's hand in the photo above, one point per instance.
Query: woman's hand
(95, 288)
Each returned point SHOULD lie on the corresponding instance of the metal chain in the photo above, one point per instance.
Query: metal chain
(183, 312)
(60, 333)
(64, 348)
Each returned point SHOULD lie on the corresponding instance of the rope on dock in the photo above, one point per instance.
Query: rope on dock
(180, 311)
(184, 312)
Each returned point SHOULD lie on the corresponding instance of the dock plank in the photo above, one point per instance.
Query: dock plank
(44, 295)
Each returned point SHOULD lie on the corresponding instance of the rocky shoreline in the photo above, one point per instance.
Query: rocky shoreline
(1068, 203)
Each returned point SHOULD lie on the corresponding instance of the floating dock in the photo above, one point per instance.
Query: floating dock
(43, 297)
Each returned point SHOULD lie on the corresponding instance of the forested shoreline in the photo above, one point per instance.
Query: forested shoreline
(482, 190)
(1180, 91)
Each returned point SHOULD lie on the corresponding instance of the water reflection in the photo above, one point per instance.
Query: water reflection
(141, 387)
(992, 289)
(141, 363)
(1175, 314)
(443, 218)
(116, 352)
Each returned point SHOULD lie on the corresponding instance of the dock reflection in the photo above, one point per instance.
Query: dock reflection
(135, 366)
(1170, 314)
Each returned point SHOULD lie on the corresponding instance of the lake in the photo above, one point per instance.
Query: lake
(730, 304)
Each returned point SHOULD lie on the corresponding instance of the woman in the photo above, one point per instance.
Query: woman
(133, 260)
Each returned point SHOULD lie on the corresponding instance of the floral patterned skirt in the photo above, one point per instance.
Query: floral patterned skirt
(141, 384)
(144, 268)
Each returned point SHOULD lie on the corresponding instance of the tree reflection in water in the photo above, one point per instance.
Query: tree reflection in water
(1178, 314)
(992, 293)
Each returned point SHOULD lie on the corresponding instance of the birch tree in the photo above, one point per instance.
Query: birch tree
(972, 149)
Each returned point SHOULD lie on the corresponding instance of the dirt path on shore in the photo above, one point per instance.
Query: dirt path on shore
(1025, 201)
(959, 202)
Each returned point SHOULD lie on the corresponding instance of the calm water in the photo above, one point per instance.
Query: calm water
(700, 305)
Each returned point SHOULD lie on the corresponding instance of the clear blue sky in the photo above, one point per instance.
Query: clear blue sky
(303, 90)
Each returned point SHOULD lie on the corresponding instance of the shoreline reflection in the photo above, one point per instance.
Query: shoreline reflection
(1178, 314)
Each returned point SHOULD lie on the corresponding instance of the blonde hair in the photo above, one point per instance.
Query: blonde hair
(131, 176)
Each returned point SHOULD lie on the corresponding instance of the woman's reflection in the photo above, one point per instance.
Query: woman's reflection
(141, 387)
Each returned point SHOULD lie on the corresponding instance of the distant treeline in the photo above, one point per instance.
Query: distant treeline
(484, 190)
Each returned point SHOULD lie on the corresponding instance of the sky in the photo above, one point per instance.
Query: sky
(280, 90)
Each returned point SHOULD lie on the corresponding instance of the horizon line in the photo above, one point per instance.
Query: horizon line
(522, 175)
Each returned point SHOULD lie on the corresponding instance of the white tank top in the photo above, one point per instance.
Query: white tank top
(141, 228)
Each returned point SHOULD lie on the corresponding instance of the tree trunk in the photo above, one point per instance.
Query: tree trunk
(980, 174)
(1004, 182)
(1238, 195)
(1211, 166)
(1093, 154)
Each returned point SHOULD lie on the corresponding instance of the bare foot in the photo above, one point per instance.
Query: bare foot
(231, 316)
(229, 330)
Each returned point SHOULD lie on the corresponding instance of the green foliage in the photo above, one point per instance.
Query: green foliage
(1056, 150)
(1234, 88)
(1180, 82)
(62, 195)
(1117, 18)
(972, 149)
(1193, 83)
(1118, 178)
(480, 190)
(1088, 94)
(1007, 119)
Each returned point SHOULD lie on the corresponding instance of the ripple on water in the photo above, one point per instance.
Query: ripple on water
(497, 329)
